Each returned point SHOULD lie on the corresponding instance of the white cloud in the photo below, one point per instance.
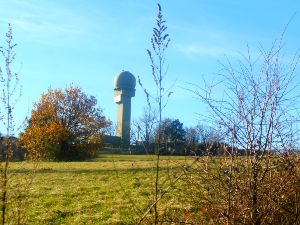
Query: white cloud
(202, 50)
(44, 28)
(213, 40)
(43, 22)
(206, 40)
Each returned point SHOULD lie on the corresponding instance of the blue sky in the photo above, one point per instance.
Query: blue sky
(86, 43)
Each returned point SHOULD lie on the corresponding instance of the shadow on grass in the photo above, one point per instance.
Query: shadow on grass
(133, 158)
(84, 171)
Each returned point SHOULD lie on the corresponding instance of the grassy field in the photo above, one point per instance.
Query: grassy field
(112, 189)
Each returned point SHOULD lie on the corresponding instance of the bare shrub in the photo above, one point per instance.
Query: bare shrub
(257, 179)
(13, 191)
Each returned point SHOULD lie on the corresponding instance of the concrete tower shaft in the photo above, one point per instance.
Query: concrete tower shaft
(123, 92)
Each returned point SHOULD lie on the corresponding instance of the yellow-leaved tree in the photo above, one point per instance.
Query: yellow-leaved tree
(64, 125)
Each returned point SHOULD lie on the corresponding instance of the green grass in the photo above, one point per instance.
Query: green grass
(111, 189)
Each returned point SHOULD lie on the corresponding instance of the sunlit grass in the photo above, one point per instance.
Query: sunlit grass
(112, 189)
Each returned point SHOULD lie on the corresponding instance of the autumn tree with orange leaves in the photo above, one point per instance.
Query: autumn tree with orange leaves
(64, 125)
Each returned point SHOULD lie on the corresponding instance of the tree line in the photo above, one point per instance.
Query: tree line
(67, 124)
(176, 139)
